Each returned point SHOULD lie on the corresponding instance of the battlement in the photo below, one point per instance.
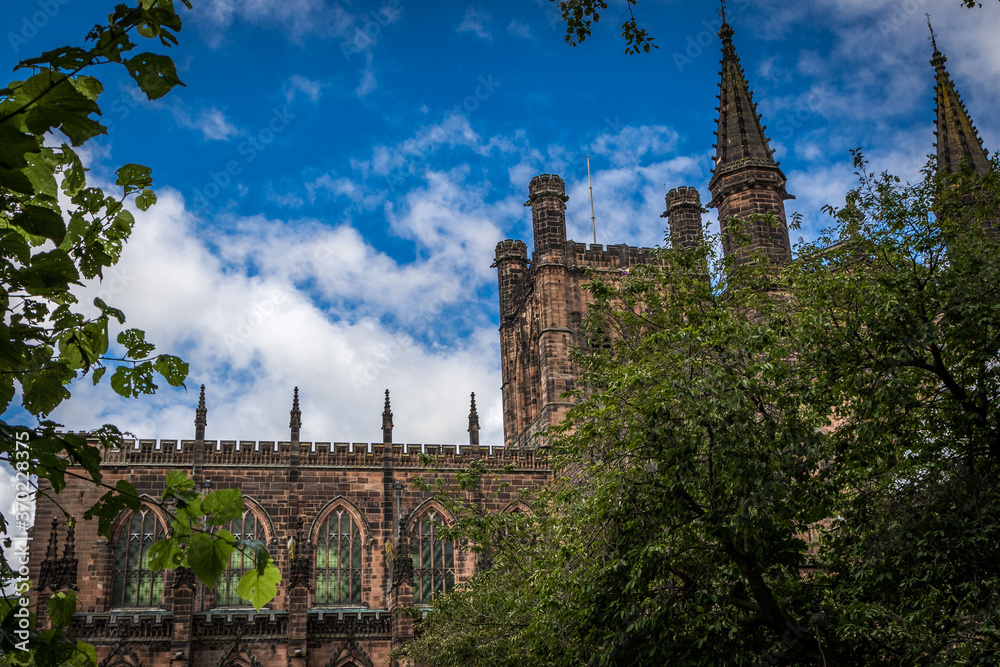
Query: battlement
(511, 249)
(277, 454)
(597, 256)
(683, 196)
(551, 184)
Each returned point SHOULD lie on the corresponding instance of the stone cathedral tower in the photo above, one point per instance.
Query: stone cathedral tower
(542, 300)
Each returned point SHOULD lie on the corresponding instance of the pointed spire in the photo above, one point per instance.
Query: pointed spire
(957, 138)
(295, 423)
(473, 423)
(200, 417)
(69, 549)
(740, 138)
(52, 552)
(387, 420)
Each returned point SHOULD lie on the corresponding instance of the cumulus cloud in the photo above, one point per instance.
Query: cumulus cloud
(476, 22)
(211, 122)
(518, 29)
(297, 84)
(294, 303)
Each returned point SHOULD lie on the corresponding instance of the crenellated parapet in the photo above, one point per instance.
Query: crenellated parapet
(278, 454)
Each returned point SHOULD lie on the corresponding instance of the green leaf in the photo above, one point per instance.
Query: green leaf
(61, 607)
(259, 588)
(165, 554)
(135, 343)
(208, 555)
(40, 221)
(224, 505)
(14, 145)
(134, 177)
(173, 369)
(155, 74)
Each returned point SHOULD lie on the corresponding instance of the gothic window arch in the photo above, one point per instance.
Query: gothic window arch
(247, 527)
(339, 558)
(433, 557)
(133, 583)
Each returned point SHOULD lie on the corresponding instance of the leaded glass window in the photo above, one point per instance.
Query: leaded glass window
(433, 559)
(338, 560)
(245, 528)
(133, 583)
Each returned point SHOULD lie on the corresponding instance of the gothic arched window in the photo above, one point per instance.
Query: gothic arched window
(246, 527)
(338, 560)
(433, 559)
(133, 583)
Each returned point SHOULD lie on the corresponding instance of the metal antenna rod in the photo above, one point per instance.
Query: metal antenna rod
(593, 223)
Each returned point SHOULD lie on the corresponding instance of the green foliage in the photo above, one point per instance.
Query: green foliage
(196, 543)
(788, 464)
(48, 339)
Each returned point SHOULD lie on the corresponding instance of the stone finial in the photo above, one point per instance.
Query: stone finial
(387, 423)
(473, 423)
(295, 423)
(69, 549)
(200, 416)
(52, 552)
(387, 413)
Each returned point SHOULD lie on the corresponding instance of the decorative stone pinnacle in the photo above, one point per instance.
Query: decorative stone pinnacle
(201, 413)
(51, 553)
(387, 413)
(296, 414)
(473, 415)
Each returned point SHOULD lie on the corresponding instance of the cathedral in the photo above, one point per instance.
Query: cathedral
(355, 539)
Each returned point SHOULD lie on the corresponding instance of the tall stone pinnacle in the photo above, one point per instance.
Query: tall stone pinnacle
(295, 423)
(200, 417)
(957, 138)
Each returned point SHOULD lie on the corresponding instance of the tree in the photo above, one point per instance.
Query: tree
(770, 465)
(47, 340)
(906, 334)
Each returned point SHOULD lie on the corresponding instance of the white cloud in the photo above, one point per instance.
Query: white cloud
(313, 90)
(286, 303)
(210, 122)
(476, 22)
(518, 29)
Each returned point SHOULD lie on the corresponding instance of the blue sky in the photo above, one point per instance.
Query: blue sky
(334, 176)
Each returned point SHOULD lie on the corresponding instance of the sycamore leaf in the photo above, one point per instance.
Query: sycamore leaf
(208, 555)
(155, 74)
(224, 505)
(259, 588)
(61, 608)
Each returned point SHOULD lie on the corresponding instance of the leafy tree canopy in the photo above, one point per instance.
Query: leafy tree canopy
(770, 465)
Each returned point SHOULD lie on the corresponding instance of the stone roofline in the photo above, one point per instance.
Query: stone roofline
(277, 454)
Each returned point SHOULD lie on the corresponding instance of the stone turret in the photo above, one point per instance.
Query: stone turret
(511, 262)
(746, 179)
(683, 216)
(547, 199)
